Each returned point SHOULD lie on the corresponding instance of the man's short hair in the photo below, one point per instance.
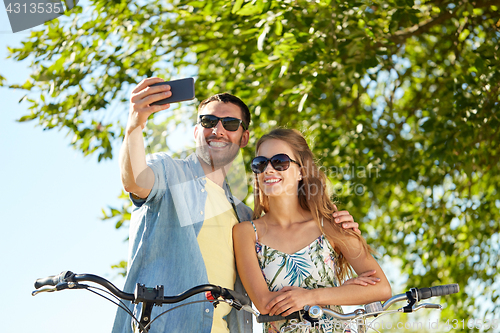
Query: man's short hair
(228, 98)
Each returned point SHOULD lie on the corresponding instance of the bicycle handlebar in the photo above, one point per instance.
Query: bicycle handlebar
(425, 293)
(149, 297)
(68, 279)
(65, 279)
(267, 318)
(419, 293)
(52, 280)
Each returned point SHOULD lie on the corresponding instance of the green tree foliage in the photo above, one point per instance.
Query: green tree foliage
(399, 98)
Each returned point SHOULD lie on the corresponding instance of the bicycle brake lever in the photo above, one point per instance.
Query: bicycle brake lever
(428, 306)
(237, 305)
(43, 290)
(60, 286)
(423, 306)
(248, 308)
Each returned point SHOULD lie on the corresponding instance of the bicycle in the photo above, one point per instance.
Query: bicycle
(301, 320)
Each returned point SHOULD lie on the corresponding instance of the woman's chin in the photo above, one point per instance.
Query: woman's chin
(278, 191)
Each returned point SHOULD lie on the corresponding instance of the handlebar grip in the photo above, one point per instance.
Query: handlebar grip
(425, 293)
(267, 319)
(52, 280)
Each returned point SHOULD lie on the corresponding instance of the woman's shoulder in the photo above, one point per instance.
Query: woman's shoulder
(244, 233)
(243, 227)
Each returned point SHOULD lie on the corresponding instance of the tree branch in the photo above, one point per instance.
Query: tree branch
(424, 26)
(420, 28)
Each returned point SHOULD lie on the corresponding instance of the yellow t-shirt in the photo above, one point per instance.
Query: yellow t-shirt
(216, 244)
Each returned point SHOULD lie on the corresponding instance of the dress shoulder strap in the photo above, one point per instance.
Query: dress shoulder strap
(255, 229)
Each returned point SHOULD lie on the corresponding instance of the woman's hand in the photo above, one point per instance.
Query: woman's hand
(363, 279)
(289, 300)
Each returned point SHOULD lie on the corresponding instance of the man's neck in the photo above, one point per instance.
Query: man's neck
(217, 175)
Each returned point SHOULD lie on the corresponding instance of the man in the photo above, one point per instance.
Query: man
(184, 211)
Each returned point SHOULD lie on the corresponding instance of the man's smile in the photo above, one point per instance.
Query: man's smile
(218, 144)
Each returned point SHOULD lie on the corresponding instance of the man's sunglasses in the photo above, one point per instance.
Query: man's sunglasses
(229, 123)
(280, 162)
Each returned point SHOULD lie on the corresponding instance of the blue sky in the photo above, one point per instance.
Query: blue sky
(51, 203)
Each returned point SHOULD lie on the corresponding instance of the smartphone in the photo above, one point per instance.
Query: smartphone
(182, 90)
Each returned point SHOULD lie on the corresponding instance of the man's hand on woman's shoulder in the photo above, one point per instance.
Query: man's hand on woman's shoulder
(346, 220)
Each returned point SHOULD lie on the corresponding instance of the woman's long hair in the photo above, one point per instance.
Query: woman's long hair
(313, 196)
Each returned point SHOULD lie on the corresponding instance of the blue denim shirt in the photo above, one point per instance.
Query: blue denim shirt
(164, 249)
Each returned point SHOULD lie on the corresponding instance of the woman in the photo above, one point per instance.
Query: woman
(295, 254)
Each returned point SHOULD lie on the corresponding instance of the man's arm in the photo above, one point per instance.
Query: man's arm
(137, 177)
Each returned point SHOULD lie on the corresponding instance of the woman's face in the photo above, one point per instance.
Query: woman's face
(278, 183)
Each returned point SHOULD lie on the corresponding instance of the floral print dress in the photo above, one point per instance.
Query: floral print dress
(311, 267)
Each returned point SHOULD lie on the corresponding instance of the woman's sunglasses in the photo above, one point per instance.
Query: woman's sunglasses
(229, 123)
(280, 162)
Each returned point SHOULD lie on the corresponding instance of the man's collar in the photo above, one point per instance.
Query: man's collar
(194, 162)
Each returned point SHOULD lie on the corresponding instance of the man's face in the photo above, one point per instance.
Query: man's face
(217, 146)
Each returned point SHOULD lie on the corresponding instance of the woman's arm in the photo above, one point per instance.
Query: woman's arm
(248, 266)
(293, 298)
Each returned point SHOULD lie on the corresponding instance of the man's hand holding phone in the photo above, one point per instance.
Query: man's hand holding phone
(151, 95)
(155, 94)
(141, 99)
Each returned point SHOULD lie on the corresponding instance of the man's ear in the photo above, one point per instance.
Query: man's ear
(195, 133)
(244, 138)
